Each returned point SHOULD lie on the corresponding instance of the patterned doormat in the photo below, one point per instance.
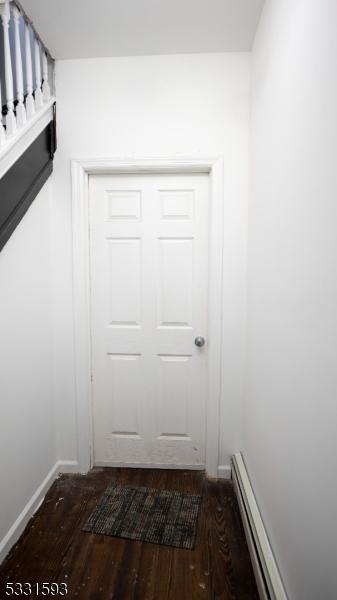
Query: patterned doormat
(148, 515)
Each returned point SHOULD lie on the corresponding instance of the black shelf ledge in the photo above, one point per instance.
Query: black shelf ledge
(24, 180)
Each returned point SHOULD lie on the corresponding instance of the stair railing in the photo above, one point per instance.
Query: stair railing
(25, 78)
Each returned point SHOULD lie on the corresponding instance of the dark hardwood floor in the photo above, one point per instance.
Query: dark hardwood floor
(97, 567)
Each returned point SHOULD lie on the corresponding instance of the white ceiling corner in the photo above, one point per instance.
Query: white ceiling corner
(87, 29)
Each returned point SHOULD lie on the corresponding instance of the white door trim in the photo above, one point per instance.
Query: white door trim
(80, 171)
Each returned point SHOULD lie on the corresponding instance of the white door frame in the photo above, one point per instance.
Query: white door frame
(80, 171)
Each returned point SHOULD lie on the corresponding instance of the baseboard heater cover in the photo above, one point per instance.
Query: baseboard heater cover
(266, 572)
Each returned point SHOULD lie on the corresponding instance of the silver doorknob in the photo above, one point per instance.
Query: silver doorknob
(199, 341)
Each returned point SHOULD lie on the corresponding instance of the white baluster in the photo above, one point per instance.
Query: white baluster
(38, 91)
(10, 117)
(20, 108)
(45, 85)
(2, 129)
(30, 102)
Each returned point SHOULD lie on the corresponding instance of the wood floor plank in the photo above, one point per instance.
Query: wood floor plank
(96, 567)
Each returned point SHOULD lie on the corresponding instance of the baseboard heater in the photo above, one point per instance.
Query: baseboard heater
(266, 572)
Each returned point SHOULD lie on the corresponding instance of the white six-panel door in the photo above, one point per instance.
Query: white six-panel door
(149, 263)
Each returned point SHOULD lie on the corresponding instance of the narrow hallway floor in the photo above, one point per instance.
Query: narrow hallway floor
(53, 549)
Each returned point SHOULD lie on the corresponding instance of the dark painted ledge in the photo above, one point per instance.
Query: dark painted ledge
(21, 184)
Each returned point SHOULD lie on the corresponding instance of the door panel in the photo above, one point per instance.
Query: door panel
(124, 281)
(149, 259)
(175, 271)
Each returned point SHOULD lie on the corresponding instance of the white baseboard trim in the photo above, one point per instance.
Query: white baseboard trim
(148, 465)
(18, 527)
(224, 472)
(31, 507)
(68, 466)
(265, 568)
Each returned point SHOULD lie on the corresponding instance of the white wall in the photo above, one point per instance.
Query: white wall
(27, 441)
(290, 417)
(155, 107)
